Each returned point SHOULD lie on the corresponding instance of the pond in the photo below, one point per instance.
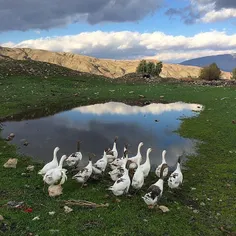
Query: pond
(97, 125)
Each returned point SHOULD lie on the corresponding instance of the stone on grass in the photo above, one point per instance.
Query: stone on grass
(54, 190)
(164, 209)
(67, 209)
(11, 163)
(30, 168)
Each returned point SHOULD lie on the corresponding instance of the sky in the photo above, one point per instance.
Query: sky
(166, 30)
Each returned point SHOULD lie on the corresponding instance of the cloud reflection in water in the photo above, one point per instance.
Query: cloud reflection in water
(97, 125)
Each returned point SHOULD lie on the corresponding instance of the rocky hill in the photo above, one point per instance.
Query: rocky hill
(105, 67)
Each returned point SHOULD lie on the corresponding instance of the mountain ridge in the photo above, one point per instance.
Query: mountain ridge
(226, 62)
(106, 67)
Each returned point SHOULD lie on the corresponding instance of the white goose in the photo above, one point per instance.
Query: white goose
(146, 166)
(50, 165)
(122, 184)
(138, 178)
(176, 177)
(133, 161)
(119, 161)
(101, 164)
(158, 169)
(83, 175)
(119, 170)
(112, 154)
(154, 192)
(74, 158)
(52, 176)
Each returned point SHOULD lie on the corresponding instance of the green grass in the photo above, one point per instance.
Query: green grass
(212, 172)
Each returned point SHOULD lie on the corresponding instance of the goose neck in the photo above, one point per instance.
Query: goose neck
(163, 157)
(114, 146)
(55, 155)
(62, 160)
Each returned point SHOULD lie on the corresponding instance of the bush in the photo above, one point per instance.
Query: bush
(234, 74)
(149, 68)
(211, 72)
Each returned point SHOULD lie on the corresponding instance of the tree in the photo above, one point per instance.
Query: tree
(211, 72)
(234, 74)
(158, 68)
(142, 67)
(149, 68)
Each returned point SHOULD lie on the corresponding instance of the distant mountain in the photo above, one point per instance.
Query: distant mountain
(226, 62)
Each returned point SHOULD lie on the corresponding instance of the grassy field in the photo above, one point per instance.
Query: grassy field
(205, 205)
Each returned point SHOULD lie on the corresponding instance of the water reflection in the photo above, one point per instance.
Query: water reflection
(97, 125)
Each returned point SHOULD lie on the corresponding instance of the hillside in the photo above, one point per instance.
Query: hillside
(105, 67)
(10, 67)
(226, 62)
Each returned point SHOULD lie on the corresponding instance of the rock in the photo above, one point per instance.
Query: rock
(196, 211)
(30, 168)
(54, 190)
(67, 209)
(1, 218)
(164, 209)
(11, 163)
(12, 135)
(8, 138)
(26, 143)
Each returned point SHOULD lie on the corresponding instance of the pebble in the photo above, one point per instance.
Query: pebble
(30, 168)
(36, 218)
(1, 218)
(67, 209)
(164, 209)
(196, 211)
(12, 135)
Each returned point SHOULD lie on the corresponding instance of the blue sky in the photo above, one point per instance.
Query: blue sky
(168, 30)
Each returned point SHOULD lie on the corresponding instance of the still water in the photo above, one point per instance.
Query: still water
(97, 125)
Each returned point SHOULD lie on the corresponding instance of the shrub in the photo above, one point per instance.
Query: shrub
(211, 72)
(149, 68)
(234, 74)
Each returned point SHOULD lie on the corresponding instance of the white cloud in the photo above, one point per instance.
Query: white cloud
(206, 11)
(183, 55)
(123, 109)
(220, 15)
(134, 45)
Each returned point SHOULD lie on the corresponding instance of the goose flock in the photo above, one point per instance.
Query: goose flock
(125, 171)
